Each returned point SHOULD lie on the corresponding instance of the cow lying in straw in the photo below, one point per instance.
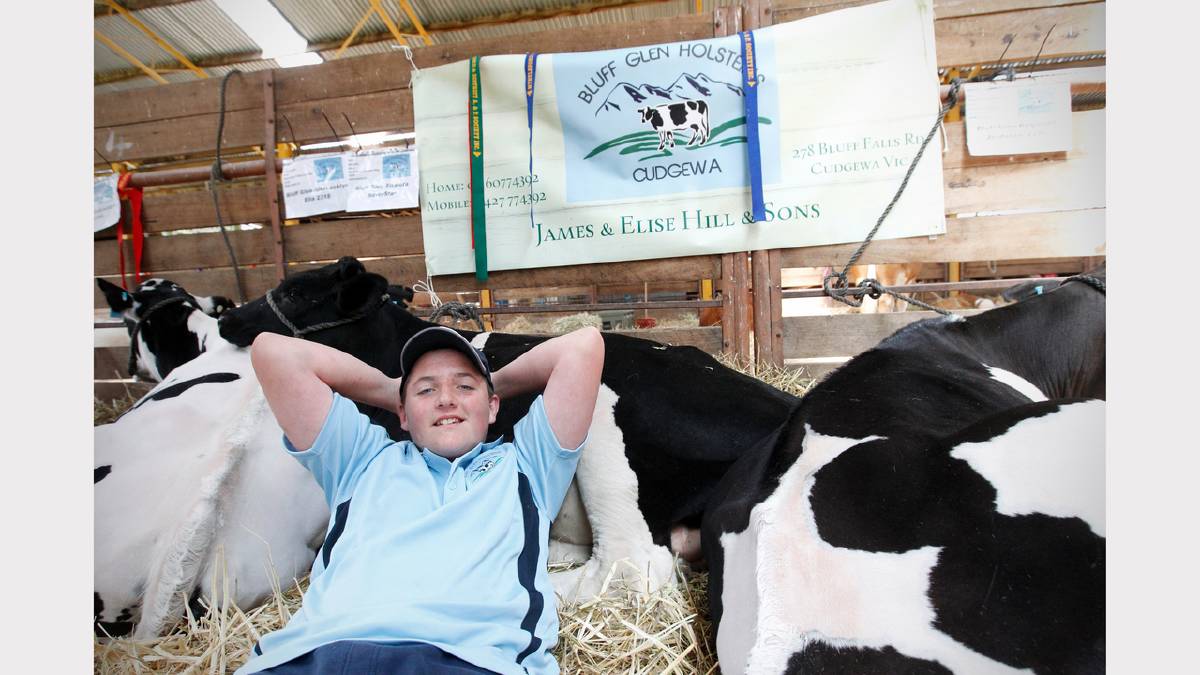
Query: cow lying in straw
(935, 505)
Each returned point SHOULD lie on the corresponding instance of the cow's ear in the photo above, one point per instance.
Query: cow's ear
(356, 293)
(400, 294)
(118, 299)
(348, 266)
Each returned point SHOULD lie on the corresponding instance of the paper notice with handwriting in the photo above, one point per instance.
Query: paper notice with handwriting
(315, 184)
(1019, 117)
(106, 208)
(382, 180)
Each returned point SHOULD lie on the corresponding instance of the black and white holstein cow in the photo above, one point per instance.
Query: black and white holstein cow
(936, 505)
(668, 422)
(167, 325)
(192, 486)
(679, 116)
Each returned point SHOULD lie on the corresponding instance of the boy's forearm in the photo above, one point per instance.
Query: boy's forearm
(531, 371)
(341, 372)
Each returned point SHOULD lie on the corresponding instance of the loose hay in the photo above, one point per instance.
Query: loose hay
(104, 412)
(664, 632)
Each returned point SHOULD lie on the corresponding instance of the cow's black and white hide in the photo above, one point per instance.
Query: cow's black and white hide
(193, 485)
(167, 325)
(667, 424)
(926, 508)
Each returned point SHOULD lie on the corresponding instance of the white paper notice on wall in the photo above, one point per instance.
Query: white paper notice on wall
(382, 179)
(315, 184)
(1019, 117)
(105, 205)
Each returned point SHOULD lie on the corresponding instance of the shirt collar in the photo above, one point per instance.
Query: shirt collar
(442, 465)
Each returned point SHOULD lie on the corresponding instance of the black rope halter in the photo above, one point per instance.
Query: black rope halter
(1095, 282)
(459, 312)
(137, 327)
(301, 332)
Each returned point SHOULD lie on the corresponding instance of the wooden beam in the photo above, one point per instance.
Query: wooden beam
(1027, 235)
(360, 237)
(375, 73)
(845, 334)
(272, 182)
(416, 22)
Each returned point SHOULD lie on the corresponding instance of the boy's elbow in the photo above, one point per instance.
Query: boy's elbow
(592, 342)
(593, 346)
(266, 349)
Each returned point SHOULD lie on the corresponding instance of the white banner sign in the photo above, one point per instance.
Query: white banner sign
(641, 152)
(382, 179)
(106, 207)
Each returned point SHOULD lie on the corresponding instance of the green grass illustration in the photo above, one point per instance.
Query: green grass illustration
(647, 141)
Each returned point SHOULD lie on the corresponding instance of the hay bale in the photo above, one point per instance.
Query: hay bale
(571, 322)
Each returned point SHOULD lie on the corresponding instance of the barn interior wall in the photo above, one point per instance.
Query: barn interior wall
(1004, 214)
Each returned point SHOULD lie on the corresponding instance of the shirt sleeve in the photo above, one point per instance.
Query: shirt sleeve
(346, 442)
(549, 466)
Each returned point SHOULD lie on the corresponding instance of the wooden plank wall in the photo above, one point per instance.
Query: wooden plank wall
(175, 125)
(1028, 209)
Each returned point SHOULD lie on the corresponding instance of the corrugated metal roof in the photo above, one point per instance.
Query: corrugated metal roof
(202, 31)
(321, 21)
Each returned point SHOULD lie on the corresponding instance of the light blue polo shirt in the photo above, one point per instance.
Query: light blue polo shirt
(423, 549)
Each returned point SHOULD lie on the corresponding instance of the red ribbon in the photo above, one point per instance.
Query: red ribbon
(134, 196)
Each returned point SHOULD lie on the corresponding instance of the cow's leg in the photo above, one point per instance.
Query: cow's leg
(695, 135)
(622, 544)
(563, 552)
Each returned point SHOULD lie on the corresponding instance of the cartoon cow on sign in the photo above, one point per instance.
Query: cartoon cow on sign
(682, 115)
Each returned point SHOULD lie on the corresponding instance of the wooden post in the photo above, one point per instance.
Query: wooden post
(735, 283)
(485, 301)
(272, 177)
(757, 14)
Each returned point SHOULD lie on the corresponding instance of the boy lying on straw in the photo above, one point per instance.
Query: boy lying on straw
(435, 556)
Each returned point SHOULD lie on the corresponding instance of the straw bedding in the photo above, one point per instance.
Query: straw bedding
(625, 632)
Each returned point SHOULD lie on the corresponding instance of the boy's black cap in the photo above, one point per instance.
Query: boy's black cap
(441, 337)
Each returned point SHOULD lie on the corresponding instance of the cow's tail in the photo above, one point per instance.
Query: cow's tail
(181, 561)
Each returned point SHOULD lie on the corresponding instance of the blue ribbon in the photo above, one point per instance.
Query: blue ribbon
(753, 149)
(530, 76)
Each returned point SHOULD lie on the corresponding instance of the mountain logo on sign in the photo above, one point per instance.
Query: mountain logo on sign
(685, 86)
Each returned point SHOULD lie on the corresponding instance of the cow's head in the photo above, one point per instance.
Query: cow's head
(647, 114)
(214, 305)
(133, 305)
(157, 316)
(332, 293)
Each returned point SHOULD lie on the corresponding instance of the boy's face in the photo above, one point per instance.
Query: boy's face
(447, 407)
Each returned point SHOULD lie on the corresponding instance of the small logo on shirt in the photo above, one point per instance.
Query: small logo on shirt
(483, 466)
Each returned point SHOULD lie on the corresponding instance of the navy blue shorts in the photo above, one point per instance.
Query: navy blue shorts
(359, 657)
